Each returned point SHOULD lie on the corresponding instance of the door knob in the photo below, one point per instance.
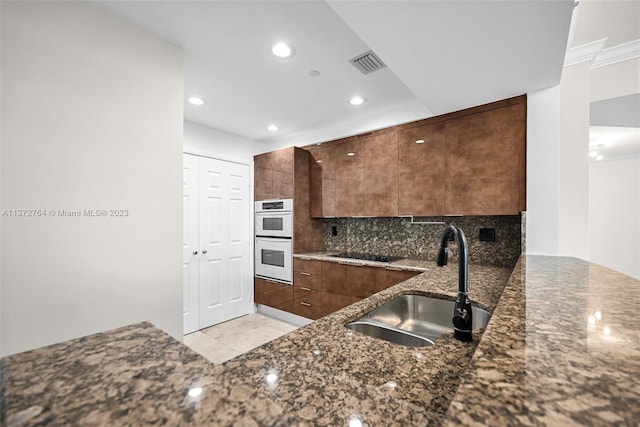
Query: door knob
(195, 252)
(204, 252)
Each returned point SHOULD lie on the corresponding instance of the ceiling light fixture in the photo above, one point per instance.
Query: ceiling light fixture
(419, 141)
(196, 100)
(272, 128)
(283, 50)
(356, 100)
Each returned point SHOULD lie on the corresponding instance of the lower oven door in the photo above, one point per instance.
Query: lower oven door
(274, 259)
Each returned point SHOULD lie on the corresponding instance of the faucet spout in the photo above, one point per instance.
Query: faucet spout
(462, 319)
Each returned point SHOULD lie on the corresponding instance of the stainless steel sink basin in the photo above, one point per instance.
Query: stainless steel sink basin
(413, 320)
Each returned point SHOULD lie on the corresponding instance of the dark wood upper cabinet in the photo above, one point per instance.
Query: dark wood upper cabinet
(274, 175)
(472, 162)
(421, 172)
(322, 181)
(485, 162)
(380, 167)
(349, 160)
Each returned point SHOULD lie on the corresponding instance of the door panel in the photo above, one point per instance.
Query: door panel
(190, 245)
(228, 219)
(217, 227)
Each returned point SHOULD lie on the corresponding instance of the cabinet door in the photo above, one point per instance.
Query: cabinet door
(421, 164)
(273, 294)
(322, 182)
(349, 178)
(393, 277)
(334, 277)
(381, 174)
(484, 162)
(273, 177)
(365, 281)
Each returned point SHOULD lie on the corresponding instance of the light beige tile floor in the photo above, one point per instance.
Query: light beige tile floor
(227, 340)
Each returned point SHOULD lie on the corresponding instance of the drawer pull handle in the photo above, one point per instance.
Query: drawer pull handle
(306, 304)
(305, 289)
(305, 274)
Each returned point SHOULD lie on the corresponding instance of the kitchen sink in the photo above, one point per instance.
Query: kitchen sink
(414, 320)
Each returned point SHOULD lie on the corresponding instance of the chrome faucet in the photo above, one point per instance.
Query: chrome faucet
(462, 319)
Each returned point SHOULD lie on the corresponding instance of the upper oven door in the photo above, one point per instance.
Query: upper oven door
(274, 224)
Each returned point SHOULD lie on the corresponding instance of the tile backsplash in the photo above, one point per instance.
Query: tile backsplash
(397, 236)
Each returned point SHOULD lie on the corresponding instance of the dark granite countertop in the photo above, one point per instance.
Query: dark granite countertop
(544, 359)
(404, 264)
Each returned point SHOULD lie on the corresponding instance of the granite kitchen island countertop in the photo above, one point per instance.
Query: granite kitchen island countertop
(544, 359)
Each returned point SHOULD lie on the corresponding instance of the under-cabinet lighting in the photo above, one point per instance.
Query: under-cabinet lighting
(351, 154)
(419, 141)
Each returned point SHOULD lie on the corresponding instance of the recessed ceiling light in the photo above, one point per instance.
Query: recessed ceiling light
(272, 128)
(599, 157)
(196, 100)
(351, 154)
(419, 141)
(318, 161)
(282, 50)
(356, 100)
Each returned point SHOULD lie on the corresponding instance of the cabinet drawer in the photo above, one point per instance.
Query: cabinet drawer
(309, 311)
(306, 266)
(307, 280)
(310, 296)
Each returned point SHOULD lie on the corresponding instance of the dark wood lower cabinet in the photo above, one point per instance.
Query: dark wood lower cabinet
(322, 287)
(394, 276)
(273, 294)
(333, 302)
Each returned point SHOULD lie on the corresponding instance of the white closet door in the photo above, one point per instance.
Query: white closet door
(225, 273)
(190, 249)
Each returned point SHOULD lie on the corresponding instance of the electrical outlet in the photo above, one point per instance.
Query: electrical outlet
(487, 235)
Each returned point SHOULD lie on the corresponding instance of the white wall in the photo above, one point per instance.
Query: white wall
(206, 141)
(543, 171)
(574, 161)
(91, 119)
(614, 199)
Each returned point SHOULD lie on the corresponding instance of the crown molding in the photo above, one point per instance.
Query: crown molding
(595, 53)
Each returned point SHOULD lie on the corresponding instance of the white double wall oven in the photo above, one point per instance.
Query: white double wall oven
(273, 240)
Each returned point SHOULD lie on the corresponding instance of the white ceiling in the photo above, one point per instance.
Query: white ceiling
(442, 56)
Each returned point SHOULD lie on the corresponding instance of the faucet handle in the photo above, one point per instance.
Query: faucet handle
(460, 319)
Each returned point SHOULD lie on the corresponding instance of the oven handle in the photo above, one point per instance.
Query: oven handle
(260, 236)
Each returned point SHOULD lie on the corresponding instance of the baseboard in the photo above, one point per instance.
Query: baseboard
(285, 316)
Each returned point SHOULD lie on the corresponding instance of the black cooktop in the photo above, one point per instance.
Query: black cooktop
(368, 257)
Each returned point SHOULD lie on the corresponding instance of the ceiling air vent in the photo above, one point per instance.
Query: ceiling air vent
(367, 62)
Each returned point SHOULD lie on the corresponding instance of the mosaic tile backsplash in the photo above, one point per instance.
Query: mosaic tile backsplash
(398, 237)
